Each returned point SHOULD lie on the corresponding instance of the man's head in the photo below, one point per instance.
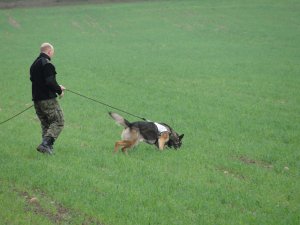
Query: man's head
(47, 49)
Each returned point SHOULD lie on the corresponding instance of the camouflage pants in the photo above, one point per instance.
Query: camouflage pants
(51, 117)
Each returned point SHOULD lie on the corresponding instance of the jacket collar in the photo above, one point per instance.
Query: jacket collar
(45, 56)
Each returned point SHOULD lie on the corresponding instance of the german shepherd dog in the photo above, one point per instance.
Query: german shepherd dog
(159, 134)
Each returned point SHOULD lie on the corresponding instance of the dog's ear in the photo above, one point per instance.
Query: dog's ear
(181, 136)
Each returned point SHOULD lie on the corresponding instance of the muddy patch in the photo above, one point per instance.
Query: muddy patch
(56, 213)
(260, 163)
(41, 204)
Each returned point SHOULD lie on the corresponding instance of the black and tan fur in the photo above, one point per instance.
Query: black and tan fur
(145, 131)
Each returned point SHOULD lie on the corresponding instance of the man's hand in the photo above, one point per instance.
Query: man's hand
(62, 91)
(62, 87)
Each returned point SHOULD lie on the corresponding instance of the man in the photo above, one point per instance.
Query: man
(44, 92)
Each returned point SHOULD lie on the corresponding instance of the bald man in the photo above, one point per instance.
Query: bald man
(45, 90)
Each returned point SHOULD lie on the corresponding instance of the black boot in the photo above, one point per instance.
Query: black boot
(46, 146)
(51, 143)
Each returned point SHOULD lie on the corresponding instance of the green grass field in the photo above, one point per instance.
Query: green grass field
(224, 73)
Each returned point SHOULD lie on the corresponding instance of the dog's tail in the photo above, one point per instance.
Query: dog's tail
(119, 119)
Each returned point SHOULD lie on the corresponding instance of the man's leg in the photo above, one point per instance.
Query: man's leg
(56, 120)
(40, 106)
(52, 121)
(42, 117)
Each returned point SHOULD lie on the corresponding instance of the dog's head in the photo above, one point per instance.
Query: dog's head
(175, 140)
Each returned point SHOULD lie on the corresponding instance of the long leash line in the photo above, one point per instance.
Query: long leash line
(16, 115)
(76, 93)
(102, 103)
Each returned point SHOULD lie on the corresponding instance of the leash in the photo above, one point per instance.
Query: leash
(102, 103)
(83, 96)
(15, 115)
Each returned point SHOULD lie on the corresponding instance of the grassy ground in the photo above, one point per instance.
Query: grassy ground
(224, 73)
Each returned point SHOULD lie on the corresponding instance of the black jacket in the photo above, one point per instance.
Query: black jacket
(43, 78)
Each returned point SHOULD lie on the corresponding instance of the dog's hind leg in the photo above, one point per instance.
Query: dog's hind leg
(124, 144)
(130, 138)
(164, 137)
(120, 144)
(124, 150)
(117, 144)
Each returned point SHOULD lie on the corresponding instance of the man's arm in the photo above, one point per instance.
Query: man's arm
(49, 73)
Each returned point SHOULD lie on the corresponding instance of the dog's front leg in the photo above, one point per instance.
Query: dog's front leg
(164, 137)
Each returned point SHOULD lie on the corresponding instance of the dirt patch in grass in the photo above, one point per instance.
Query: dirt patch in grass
(5, 4)
(248, 161)
(13, 22)
(33, 203)
(43, 205)
(259, 163)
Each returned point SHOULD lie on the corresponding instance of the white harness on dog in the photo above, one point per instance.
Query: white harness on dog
(161, 128)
